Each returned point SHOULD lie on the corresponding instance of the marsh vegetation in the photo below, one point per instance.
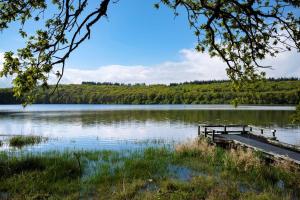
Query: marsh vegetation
(23, 140)
(192, 170)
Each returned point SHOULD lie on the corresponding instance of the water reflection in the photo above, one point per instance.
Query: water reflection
(120, 128)
(89, 118)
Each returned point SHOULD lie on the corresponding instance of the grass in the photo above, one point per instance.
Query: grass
(39, 176)
(151, 141)
(213, 173)
(23, 140)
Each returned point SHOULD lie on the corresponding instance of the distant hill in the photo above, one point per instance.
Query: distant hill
(284, 91)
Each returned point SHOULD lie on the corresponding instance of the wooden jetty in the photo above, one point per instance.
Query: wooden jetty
(259, 139)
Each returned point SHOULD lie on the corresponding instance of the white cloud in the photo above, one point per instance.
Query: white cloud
(191, 66)
(286, 64)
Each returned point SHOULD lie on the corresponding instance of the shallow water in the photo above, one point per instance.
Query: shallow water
(116, 127)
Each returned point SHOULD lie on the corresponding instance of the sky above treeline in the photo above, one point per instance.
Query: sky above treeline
(139, 44)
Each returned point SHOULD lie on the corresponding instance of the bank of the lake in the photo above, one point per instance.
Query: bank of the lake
(138, 152)
(194, 170)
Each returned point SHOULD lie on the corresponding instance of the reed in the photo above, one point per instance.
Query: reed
(23, 140)
(202, 171)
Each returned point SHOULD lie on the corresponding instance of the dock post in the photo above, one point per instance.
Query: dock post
(250, 129)
(199, 130)
(205, 131)
(262, 131)
(273, 132)
(244, 131)
(213, 135)
(225, 129)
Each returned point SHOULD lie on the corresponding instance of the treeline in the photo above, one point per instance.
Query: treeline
(284, 92)
(196, 82)
(171, 84)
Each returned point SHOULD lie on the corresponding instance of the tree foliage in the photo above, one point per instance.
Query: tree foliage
(68, 27)
(241, 32)
(278, 91)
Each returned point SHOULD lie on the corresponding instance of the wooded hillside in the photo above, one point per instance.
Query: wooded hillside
(273, 91)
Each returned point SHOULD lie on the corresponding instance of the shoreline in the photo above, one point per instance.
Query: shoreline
(192, 170)
(148, 107)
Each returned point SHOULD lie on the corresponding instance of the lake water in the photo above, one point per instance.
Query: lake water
(115, 127)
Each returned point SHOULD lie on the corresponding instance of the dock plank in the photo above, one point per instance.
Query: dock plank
(265, 147)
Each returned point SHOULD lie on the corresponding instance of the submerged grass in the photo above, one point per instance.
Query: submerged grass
(215, 173)
(23, 140)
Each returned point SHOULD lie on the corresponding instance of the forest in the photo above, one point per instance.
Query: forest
(284, 91)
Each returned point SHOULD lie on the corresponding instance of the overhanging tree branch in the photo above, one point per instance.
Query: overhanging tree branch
(242, 32)
(49, 48)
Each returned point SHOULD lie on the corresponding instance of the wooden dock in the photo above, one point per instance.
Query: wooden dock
(256, 138)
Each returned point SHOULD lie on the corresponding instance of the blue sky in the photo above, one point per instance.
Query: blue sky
(134, 33)
(138, 43)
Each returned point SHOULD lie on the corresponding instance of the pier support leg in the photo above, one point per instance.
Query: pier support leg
(244, 130)
(213, 135)
(205, 132)
(199, 131)
(274, 136)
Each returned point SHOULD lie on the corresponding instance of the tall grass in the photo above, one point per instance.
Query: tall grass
(146, 174)
(20, 141)
(39, 176)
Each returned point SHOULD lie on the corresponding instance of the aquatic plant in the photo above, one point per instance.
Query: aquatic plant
(243, 159)
(22, 140)
(214, 173)
(197, 147)
(39, 176)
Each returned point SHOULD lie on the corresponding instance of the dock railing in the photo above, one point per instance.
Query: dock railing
(212, 129)
(224, 129)
(265, 132)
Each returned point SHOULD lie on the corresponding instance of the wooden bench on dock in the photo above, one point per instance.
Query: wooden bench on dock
(253, 137)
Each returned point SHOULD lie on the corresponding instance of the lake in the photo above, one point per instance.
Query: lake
(116, 127)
